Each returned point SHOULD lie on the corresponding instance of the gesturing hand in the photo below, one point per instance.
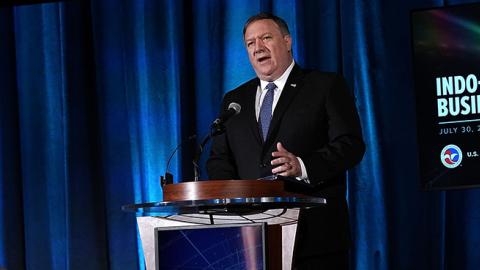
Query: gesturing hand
(285, 163)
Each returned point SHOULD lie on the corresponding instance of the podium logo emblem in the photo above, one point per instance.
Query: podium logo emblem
(451, 156)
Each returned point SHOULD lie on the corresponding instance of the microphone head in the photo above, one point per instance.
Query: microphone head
(235, 106)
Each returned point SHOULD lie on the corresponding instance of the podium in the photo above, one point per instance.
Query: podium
(216, 202)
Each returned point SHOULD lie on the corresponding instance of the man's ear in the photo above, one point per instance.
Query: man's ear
(288, 40)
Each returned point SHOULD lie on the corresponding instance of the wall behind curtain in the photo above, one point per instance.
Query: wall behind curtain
(95, 95)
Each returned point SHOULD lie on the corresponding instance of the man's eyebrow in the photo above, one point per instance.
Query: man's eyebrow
(262, 35)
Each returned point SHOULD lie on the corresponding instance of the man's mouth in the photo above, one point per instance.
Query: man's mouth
(263, 59)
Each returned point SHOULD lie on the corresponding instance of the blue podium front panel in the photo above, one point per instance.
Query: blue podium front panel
(212, 247)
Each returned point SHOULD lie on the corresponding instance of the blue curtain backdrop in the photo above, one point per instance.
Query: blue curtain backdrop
(96, 94)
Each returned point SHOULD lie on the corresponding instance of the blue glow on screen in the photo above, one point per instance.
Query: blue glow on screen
(211, 248)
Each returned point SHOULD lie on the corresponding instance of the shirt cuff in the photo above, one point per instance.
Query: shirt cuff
(304, 176)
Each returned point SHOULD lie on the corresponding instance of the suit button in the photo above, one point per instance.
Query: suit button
(263, 165)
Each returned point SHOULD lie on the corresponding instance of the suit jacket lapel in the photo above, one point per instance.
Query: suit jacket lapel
(250, 110)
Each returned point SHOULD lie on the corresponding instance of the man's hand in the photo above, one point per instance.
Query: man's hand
(285, 163)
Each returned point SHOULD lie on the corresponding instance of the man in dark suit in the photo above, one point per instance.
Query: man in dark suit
(294, 123)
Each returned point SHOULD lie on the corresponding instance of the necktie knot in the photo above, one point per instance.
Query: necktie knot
(271, 86)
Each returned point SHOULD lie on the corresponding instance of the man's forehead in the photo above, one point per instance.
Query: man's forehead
(261, 27)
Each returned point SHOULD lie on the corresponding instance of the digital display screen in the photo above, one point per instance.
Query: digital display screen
(446, 57)
(211, 247)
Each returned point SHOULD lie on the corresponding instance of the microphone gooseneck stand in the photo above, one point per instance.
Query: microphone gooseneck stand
(216, 129)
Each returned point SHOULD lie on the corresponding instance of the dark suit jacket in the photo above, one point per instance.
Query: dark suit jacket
(315, 119)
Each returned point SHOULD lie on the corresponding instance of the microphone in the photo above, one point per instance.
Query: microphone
(217, 128)
(233, 109)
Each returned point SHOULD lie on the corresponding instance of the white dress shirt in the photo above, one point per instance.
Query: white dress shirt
(262, 91)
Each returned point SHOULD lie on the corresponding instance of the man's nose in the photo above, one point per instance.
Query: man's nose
(259, 46)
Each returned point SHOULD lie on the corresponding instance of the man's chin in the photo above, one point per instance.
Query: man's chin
(265, 75)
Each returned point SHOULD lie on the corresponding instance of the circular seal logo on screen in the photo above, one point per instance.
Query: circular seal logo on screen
(451, 156)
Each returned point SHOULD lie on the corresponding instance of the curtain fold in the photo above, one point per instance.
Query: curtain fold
(96, 95)
(365, 42)
(11, 196)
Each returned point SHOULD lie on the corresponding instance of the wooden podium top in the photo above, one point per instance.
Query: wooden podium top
(215, 189)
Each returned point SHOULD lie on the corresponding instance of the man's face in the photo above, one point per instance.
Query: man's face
(268, 49)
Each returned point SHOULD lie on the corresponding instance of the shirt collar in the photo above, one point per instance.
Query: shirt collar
(281, 81)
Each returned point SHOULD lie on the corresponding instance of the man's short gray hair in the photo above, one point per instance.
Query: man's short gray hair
(267, 16)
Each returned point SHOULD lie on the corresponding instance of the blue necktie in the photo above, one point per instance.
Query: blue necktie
(266, 110)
